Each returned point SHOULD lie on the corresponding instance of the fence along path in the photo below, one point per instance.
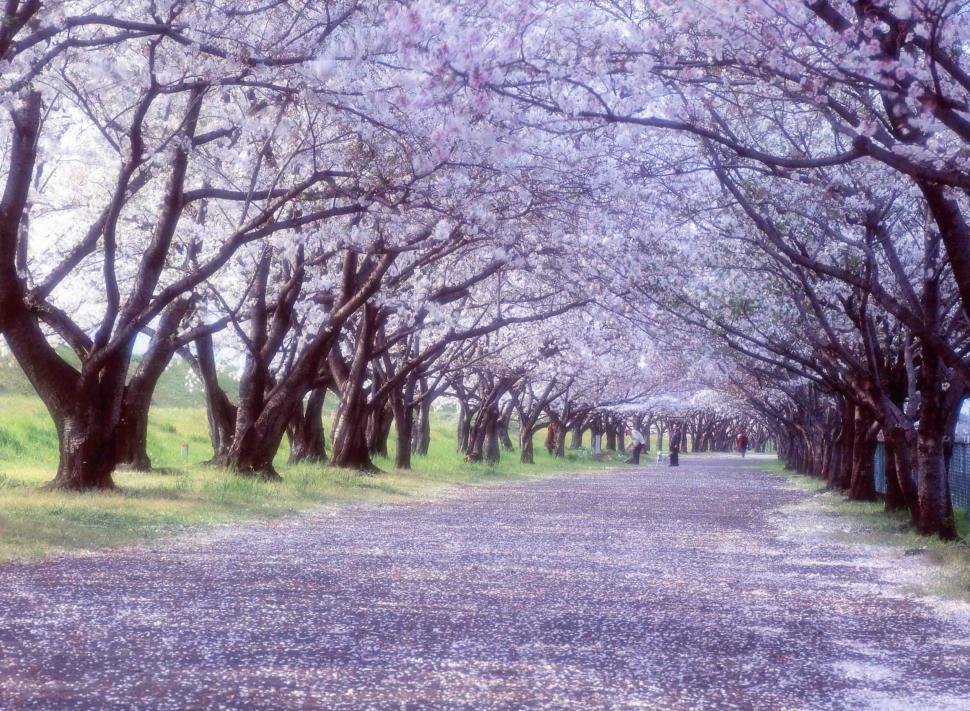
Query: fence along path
(959, 474)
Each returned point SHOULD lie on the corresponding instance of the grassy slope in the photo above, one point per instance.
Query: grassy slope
(870, 523)
(34, 522)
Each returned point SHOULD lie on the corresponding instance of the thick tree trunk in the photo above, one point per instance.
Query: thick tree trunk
(483, 435)
(308, 444)
(252, 455)
(402, 409)
(596, 435)
(935, 507)
(256, 442)
(900, 447)
(464, 428)
(86, 409)
(255, 445)
(350, 448)
(403, 426)
(560, 452)
(846, 445)
(862, 485)
(894, 496)
(132, 433)
(576, 437)
(87, 451)
(823, 469)
(492, 452)
(526, 434)
(220, 411)
(421, 439)
(503, 432)
(611, 436)
(378, 430)
(483, 438)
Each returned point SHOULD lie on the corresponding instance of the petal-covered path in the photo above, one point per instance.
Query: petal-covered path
(660, 588)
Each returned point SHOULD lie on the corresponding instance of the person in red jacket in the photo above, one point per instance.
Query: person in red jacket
(742, 443)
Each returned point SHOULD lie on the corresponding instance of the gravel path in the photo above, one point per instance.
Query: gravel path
(661, 588)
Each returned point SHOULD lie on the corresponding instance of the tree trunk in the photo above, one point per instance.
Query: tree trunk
(378, 430)
(257, 440)
(422, 432)
(220, 411)
(87, 451)
(254, 446)
(900, 446)
(132, 435)
(862, 485)
(403, 426)
(576, 439)
(846, 443)
(894, 496)
(85, 407)
(526, 434)
(308, 444)
(561, 442)
(483, 435)
(464, 428)
(492, 451)
(503, 432)
(133, 426)
(596, 435)
(935, 507)
(350, 448)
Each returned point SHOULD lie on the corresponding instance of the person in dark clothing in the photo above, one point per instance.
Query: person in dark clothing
(676, 441)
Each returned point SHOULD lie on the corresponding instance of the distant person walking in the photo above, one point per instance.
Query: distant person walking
(742, 443)
(676, 441)
(636, 436)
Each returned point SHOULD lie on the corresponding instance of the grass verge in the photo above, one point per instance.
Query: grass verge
(179, 497)
(870, 523)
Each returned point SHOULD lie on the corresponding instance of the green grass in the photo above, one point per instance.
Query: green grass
(182, 496)
(870, 523)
